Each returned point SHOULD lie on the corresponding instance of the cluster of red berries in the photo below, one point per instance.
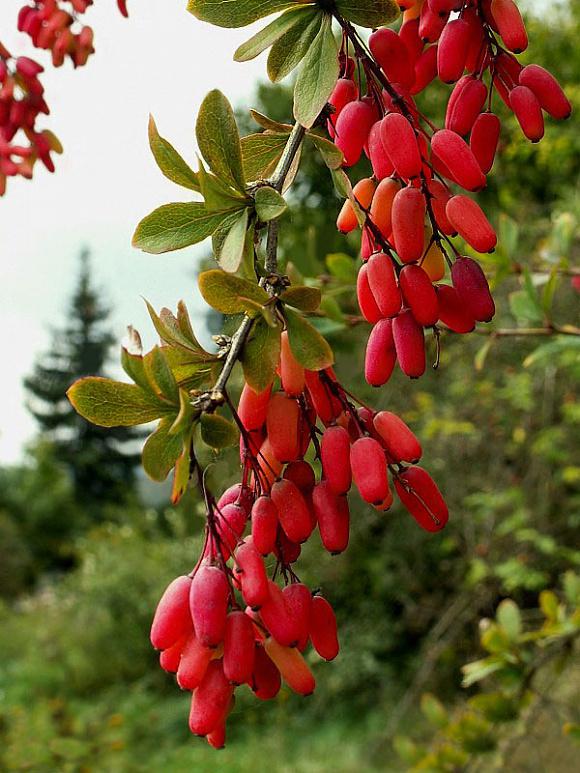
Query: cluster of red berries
(50, 27)
(409, 212)
(21, 102)
(229, 623)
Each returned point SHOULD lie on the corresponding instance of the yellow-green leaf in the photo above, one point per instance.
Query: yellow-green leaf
(368, 13)
(236, 13)
(231, 294)
(261, 355)
(219, 140)
(110, 403)
(308, 346)
(161, 450)
(169, 161)
(217, 432)
(175, 226)
(269, 203)
(317, 76)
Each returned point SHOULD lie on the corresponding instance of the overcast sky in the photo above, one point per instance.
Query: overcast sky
(161, 60)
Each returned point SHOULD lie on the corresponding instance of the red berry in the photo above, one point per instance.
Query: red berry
(383, 284)
(462, 113)
(392, 55)
(380, 356)
(484, 139)
(440, 195)
(419, 295)
(292, 510)
(425, 69)
(253, 406)
(421, 497)
(369, 469)
(169, 658)
(335, 457)
(473, 289)
(431, 24)
(208, 602)
(528, 111)
(298, 599)
(510, 25)
(266, 679)
(400, 443)
(277, 619)
(239, 646)
(547, 90)
(264, 525)
(302, 475)
(292, 666)
(230, 524)
(291, 371)
(282, 424)
(326, 404)
(469, 221)
(344, 92)
(452, 310)
(378, 156)
(193, 664)
(382, 205)
(210, 702)
(453, 50)
(366, 300)
(323, 629)
(456, 154)
(172, 620)
(333, 516)
(363, 192)
(409, 344)
(400, 142)
(252, 574)
(408, 224)
(352, 129)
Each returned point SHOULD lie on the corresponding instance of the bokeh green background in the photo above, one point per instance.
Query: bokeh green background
(80, 688)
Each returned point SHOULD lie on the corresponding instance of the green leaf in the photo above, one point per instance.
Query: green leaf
(236, 13)
(302, 297)
(160, 375)
(548, 293)
(289, 50)
(218, 432)
(342, 267)
(341, 183)
(368, 13)
(524, 308)
(508, 235)
(331, 309)
(317, 76)
(269, 203)
(331, 155)
(481, 355)
(509, 617)
(186, 415)
(161, 450)
(269, 123)
(433, 710)
(178, 332)
(479, 669)
(230, 243)
(261, 355)
(495, 706)
(175, 226)
(549, 605)
(273, 32)
(169, 161)
(261, 153)
(308, 346)
(231, 294)
(180, 476)
(110, 403)
(218, 196)
(219, 141)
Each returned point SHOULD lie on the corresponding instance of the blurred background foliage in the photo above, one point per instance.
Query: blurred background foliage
(80, 689)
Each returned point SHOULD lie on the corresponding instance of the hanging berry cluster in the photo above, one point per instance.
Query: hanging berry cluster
(52, 25)
(228, 623)
(409, 209)
(242, 616)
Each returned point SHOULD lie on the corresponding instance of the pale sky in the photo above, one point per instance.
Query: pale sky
(161, 60)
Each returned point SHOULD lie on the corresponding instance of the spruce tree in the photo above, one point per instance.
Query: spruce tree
(101, 462)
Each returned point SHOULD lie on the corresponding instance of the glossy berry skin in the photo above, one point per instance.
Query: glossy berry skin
(425, 70)
(292, 510)
(452, 51)
(169, 658)
(282, 423)
(323, 629)
(383, 284)
(473, 289)
(369, 469)
(210, 701)
(382, 205)
(547, 91)
(230, 524)
(467, 217)
(335, 457)
(421, 497)
(172, 619)
(208, 603)
(439, 196)
(484, 138)
(453, 312)
(239, 646)
(193, 664)
(291, 371)
(250, 569)
(292, 666)
(333, 516)
(510, 25)
(378, 156)
(266, 680)
(326, 405)
(344, 92)
(392, 55)
(302, 475)
(352, 129)
(419, 295)
(528, 112)
(409, 209)
(363, 192)
(380, 355)
(298, 600)
(366, 300)
(457, 156)
(400, 142)
(409, 344)
(264, 525)
(276, 617)
(463, 112)
(400, 443)
(253, 407)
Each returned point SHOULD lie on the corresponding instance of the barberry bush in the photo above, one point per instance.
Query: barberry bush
(241, 615)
